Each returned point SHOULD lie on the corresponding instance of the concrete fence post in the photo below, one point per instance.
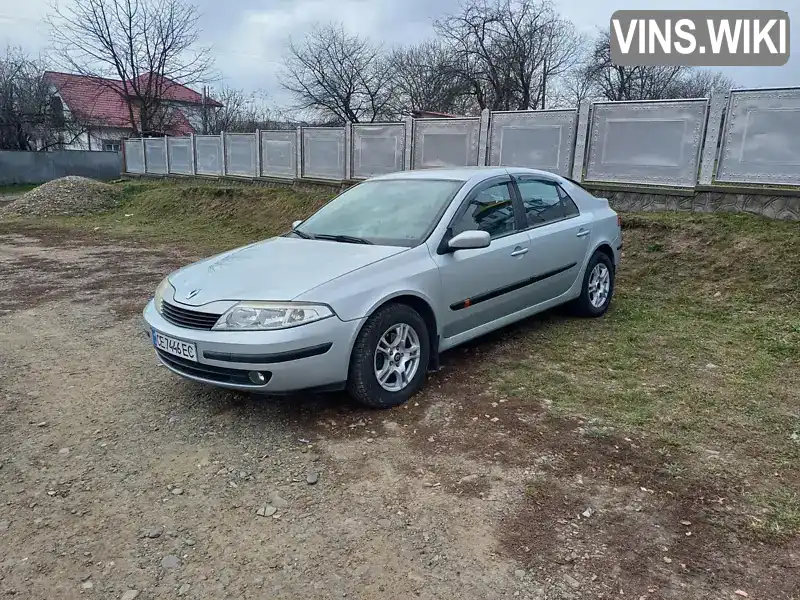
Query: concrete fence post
(299, 148)
(258, 153)
(409, 144)
(224, 153)
(710, 151)
(166, 155)
(193, 150)
(144, 156)
(348, 151)
(483, 138)
(581, 135)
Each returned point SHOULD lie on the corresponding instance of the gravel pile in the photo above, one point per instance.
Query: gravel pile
(67, 196)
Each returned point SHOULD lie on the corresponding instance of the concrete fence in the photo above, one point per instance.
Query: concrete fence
(37, 167)
(742, 137)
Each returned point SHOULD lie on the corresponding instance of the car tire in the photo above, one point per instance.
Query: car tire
(367, 362)
(588, 304)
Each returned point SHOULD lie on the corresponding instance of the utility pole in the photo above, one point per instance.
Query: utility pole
(205, 110)
(544, 82)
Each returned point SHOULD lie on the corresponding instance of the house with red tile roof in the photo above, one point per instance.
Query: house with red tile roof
(103, 109)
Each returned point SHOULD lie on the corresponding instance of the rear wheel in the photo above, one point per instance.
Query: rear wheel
(598, 286)
(390, 357)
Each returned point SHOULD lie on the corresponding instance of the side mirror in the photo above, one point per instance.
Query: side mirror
(296, 224)
(470, 240)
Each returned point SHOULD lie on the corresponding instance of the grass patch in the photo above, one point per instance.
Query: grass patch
(16, 189)
(780, 514)
(204, 217)
(700, 351)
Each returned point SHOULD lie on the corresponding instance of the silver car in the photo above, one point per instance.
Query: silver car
(365, 293)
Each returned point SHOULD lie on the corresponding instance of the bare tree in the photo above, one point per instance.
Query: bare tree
(143, 47)
(339, 76)
(224, 118)
(572, 88)
(31, 117)
(509, 51)
(241, 112)
(700, 83)
(426, 79)
(619, 82)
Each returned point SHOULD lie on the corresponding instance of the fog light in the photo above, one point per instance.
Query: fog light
(257, 378)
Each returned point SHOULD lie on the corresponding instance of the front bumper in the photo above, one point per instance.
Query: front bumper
(316, 355)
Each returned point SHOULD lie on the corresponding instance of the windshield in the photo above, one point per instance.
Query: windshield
(396, 212)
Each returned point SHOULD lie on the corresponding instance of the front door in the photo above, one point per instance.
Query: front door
(480, 285)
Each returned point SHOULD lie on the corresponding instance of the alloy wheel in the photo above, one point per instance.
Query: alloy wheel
(599, 285)
(397, 357)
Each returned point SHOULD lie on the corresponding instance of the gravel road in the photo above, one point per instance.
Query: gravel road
(120, 480)
(118, 477)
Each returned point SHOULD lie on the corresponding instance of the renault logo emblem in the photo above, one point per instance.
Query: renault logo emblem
(192, 294)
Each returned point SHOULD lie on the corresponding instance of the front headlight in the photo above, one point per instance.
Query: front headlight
(165, 288)
(261, 316)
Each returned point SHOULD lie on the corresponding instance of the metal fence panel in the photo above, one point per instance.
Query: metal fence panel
(378, 148)
(535, 139)
(134, 156)
(761, 142)
(446, 143)
(323, 152)
(279, 153)
(209, 154)
(156, 154)
(240, 150)
(654, 143)
(180, 155)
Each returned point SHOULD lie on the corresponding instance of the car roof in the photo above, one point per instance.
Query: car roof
(461, 173)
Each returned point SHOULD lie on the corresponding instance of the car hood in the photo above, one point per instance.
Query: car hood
(280, 268)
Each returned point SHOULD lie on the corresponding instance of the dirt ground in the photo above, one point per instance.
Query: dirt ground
(120, 480)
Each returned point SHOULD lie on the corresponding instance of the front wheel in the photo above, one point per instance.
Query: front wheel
(598, 286)
(390, 357)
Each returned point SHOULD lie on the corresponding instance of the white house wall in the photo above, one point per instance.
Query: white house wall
(93, 140)
(98, 135)
(193, 114)
(80, 143)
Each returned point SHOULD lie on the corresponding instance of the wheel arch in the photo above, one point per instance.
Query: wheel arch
(421, 305)
(605, 248)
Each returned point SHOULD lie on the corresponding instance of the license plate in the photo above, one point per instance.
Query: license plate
(175, 347)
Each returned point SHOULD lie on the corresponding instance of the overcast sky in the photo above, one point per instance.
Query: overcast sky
(249, 36)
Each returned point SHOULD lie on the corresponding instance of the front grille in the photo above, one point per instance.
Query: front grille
(210, 372)
(190, 319)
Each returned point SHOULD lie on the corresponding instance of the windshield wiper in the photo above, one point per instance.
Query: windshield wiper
(301, 234)
(349, 239)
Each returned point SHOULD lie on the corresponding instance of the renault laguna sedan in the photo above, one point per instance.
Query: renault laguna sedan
(365, 293)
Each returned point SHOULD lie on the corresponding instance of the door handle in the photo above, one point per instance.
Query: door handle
(584, 232)
(519, 251)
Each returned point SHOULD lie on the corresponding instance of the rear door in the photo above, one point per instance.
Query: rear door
(479, 285)
(559, 236)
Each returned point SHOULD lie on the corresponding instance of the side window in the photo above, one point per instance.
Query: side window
(489, 210)
(541, 200)
(570, 208)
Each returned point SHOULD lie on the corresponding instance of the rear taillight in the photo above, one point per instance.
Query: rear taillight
(619, 221)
